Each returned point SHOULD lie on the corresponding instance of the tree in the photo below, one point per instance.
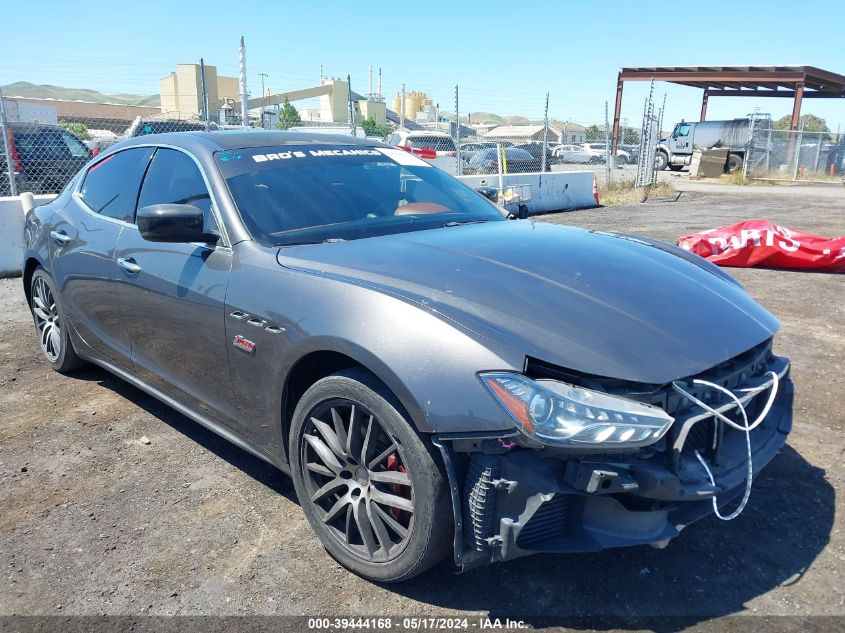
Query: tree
(629, 136)
(371, 128)
(593, 133)
(79, 129)
(288, 116)
(811, 123)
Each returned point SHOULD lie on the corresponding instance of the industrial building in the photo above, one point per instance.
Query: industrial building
(181, 91)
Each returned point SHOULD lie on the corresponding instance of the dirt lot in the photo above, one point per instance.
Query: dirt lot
(95, 521)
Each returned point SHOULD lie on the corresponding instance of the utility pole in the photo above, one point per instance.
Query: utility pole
(379, 83)
(244, 95)
(263, 97)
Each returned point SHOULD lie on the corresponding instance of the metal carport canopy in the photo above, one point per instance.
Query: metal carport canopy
(795, 82)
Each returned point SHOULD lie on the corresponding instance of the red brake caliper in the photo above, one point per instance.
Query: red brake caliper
(394, 463)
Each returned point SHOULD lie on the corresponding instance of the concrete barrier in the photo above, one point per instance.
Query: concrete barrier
(552, 191)
(11, 231)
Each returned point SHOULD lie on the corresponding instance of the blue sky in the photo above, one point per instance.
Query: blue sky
(505, 55)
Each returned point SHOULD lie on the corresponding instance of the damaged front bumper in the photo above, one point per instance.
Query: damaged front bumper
(510, 501)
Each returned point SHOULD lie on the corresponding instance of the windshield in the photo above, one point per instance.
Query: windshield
(313, 193)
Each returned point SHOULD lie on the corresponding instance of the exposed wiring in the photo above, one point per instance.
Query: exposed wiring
(747, 428)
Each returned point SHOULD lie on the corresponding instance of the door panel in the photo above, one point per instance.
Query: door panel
(84, 237)
(173, 296)
(84, 269)
(173, 307)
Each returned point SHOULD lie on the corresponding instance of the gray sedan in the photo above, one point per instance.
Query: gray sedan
(436, 379)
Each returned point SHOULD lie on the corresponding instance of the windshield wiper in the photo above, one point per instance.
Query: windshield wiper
(459, 222)
(327, 240)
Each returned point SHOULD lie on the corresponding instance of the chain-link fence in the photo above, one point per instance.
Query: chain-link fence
(45, 142)
(794, 154)
(44, 145)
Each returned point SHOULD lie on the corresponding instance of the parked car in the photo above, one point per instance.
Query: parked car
(518, 161)
(633, 152)
(535, 148)
(468, 150)
(437, 148)
(142, 127)
(573, 154)
(598, 153)
(44, 157)
(436, 379)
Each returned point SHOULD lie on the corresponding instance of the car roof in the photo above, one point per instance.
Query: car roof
(237, 139)
(424, 133)
(33, 125)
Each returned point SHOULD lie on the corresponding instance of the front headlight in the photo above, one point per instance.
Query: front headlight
(565, 415)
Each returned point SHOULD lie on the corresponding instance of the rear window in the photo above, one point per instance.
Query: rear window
(437, 143)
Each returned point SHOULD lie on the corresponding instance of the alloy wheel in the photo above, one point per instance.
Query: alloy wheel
(46, 319)
(356, 479)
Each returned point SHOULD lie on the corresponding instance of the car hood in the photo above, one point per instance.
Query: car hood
(603, 304)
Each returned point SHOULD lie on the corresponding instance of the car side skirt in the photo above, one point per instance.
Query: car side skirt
(92, 356)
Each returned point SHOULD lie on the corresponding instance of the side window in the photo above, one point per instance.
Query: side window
(111, 186)
(174, 178)
(683, 130)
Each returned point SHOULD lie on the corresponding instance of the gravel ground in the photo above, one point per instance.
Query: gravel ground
(96, 521)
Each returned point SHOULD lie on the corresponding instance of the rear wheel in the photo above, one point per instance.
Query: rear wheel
(676, 167)
(368, 485)
(51, 324)
(734, 163)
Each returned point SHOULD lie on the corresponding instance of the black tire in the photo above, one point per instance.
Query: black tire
(429, 523)
(734, 163)
(661, 161)
(676, 167)
(51, 324)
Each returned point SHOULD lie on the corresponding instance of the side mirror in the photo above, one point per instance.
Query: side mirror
(173, 223)
(491, 193)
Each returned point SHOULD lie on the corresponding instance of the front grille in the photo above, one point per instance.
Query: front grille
(700, 437)
(547, 522)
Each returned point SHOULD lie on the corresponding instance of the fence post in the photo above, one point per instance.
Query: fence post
(204, 94)
(351, 106)
(818, 152)
(458, 133)
(545, 137)
(244, 95)
(750, 147)
(607, 156)
(402, 109)
(10, 163)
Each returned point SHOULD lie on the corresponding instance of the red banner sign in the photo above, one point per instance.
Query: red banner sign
(766, 244)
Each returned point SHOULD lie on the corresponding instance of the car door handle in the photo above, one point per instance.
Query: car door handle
(60, 237)
(128, 265)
